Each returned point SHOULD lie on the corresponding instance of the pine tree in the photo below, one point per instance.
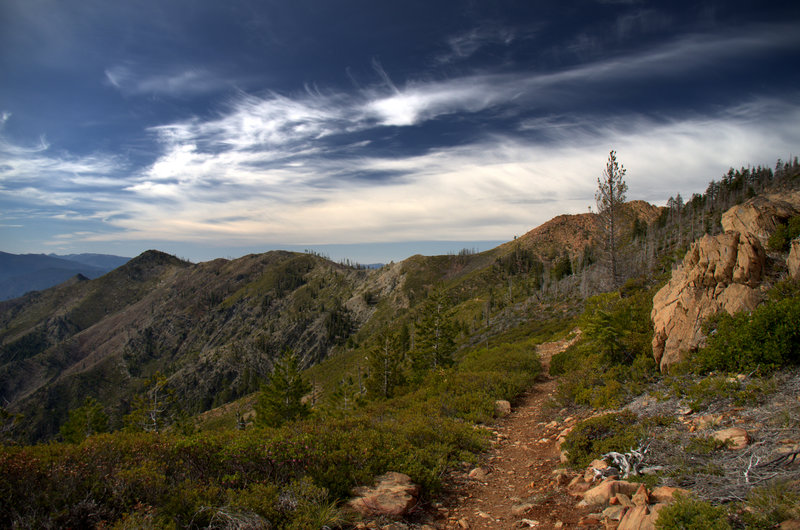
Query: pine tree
(281, 398)
(386, 366)
(151, 409)
(610, 197)
(84, 421)
(435, 335)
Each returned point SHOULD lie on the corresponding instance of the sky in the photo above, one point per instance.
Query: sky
(371, 130)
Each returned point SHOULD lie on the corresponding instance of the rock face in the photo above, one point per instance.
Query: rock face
(718, 273)
(393, 495)
(760, 216)
(794, 259)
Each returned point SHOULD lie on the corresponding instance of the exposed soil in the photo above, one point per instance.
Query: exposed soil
(519, 490)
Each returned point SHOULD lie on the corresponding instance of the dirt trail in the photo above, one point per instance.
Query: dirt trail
(519, 489)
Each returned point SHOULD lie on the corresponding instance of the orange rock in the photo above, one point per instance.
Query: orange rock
(636, 519)
(641, 498)
(737, 437)
(665, 494)
(601, 495)
(393, 495)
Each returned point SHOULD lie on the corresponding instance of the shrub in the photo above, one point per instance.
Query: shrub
(613, 359)
(770, 505)
(764, 340)
(688, 513)
(781, 238)
(593, 437)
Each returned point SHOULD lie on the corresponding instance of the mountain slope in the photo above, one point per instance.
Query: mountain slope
(214, 328)
(20, 274)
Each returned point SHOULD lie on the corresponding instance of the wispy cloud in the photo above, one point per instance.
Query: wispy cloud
(131, 80)
(492, 189)
(35, 176)
(463, 45)
(296, 168)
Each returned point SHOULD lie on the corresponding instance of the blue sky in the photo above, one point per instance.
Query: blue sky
(371, 130)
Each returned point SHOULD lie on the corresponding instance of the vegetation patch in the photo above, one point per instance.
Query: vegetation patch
(762, 341)
(613, 359)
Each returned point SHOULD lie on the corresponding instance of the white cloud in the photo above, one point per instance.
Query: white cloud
(464, 45)
(296, 169)
(493, 189)
(131, 80)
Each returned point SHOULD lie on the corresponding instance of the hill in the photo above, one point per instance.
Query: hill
(215, 328)
(20, 274)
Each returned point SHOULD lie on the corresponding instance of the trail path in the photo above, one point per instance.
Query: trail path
(518, 489)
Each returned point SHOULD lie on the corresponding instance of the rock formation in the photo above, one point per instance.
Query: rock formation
(760, 216)
(718, 273)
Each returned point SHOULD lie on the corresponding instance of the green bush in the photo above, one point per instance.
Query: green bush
(782, 237)
(287, 476)
(688, 513)
(611, 432)
(764, 340)
(770, 505)
(614, 359)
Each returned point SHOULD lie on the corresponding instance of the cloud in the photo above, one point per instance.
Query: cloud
(33, 177)
(303, 168)
(181, 82)
(465, 44)
(497, 187)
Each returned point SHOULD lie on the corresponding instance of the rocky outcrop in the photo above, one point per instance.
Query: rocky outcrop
(793, 262)
(760, 216)
(393, 495)
(718, 273)
(621, 504)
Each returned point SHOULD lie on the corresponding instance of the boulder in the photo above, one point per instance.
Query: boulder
(601, 495)
(519, 510)
(393, 495)
(665, 494)
(718, 273)
(640, 518)
(479, 473)
(760, 216)
(793, 262)
(735, 436)
(614, 512)
(636, 518)
(641, 497)
(502, 408)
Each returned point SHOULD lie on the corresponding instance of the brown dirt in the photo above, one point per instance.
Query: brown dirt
(520, 466)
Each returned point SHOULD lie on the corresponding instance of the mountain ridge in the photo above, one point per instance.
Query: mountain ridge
(21, 273)
(213, 327)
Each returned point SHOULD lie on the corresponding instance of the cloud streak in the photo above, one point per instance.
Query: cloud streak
(131, 81)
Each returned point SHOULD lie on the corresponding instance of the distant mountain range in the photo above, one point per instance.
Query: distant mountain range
(21, 273)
